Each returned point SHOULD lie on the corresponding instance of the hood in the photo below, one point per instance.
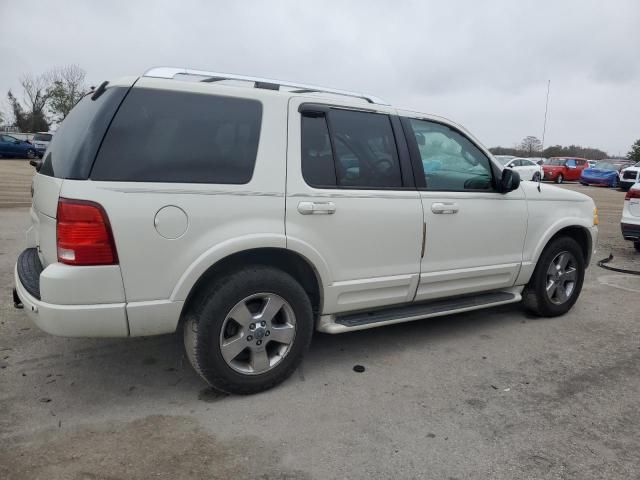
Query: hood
(551, 192)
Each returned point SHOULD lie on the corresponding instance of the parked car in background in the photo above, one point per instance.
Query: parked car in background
(603, 173)
(559, 169)
(630, 223)
(538, 160)
(503, 159)
(527, 169)
(629, 176)
(41, 142)
(14, 148)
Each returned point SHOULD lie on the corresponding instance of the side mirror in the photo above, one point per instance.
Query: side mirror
(509, 181)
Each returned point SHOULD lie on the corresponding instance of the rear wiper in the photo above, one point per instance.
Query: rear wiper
(99, 91)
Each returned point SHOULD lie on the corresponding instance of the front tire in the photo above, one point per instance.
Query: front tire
(559, 178)
(557, 279)
(31, 154)
(248, 332)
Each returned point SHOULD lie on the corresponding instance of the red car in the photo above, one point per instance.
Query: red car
(559, 169)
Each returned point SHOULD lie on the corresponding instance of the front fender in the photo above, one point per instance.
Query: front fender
(529, 262)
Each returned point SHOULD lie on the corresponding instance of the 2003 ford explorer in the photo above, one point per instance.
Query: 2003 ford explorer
(249, 212)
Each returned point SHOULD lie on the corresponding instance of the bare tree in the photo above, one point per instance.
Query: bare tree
(531, 145)
(36, 90)
(67, 90)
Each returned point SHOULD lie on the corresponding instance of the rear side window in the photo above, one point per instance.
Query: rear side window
(73, 148)
(349, 149)
(167, 136)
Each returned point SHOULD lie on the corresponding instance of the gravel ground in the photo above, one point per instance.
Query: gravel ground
(489, 394)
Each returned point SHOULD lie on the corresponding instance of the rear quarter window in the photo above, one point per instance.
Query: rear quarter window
(168, 136)
(73, 148)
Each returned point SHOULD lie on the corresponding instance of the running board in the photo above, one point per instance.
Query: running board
(416, 311)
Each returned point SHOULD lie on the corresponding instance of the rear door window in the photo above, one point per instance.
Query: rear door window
(349, 149)
(169, 136)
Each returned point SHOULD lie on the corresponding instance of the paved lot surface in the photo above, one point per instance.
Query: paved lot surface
(490, 394)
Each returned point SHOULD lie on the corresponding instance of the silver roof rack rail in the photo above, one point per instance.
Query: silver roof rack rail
(171, 72)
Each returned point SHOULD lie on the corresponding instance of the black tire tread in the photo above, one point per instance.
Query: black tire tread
(532, 296)
(216, 293)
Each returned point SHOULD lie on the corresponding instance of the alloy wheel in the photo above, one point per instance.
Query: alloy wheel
(257, 333)
(562, 275)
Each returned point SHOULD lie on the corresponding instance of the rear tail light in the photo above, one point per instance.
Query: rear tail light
(632, 193)
(84, 235)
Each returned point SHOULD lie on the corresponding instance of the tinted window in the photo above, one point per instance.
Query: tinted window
(165, 136)
(42, 137)
(317, 160)
(365, 150)
(449, 160)
(73, 148)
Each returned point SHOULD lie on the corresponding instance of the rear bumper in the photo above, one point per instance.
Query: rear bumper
(95, 320)
(630, 231)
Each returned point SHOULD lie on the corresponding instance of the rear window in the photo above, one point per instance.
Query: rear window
(42, 137)
(73, 148)
(167, 136)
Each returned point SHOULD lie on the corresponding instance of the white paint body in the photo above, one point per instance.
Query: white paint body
(367, 254)
(631, 209)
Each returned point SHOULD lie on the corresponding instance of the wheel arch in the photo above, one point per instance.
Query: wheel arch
(289, 261)
(579, 232)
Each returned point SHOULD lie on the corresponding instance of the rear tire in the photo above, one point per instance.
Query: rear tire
(559, 178)
(248, 331)
(557, 279)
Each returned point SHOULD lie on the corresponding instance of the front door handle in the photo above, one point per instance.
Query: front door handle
(317, 208)
(444, 208)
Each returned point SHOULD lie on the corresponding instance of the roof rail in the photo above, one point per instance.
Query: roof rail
(171, 72)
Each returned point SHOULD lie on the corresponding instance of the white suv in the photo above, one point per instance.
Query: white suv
(250, 215)
(630, 223)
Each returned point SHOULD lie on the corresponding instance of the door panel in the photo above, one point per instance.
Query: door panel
(369, 238)
(474, 236)
(477, 248)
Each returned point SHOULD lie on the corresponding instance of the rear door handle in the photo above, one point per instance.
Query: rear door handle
(444, 208)
(317, 208)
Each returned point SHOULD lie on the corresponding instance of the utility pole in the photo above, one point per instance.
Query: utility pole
(546, 109)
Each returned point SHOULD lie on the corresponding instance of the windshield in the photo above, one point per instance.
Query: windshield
(555, 161)
(605, 166)
(42, 137)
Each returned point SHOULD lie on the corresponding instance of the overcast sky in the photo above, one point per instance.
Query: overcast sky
(483, 64)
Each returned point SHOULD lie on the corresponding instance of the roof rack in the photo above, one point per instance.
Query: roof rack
(270, 84)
